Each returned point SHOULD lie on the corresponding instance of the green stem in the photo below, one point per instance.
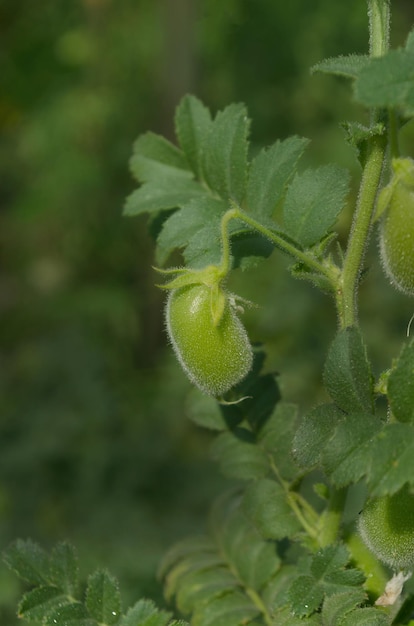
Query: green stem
(379, 27)
(257, 600)
(330, 520)
(308, 521)
(371, 177)
(225, 242)
(379, 23)
(310, 261)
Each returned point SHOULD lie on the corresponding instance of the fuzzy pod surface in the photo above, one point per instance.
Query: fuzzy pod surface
(216, 355)
(387, 527)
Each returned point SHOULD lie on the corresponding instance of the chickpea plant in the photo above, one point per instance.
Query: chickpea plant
(273, 554)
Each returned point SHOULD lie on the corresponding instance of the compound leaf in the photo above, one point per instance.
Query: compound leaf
(328, 575)
(252, 560)
(313, 202)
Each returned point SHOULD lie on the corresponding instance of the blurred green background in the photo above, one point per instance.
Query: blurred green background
(95, 445)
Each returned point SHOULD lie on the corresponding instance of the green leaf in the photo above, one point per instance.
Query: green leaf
(204, 411)
(400, 388)
(239, 456)
(63, 568)
(347, 372)
(368, 616)
(225, 153)
(252, 560)
(28, 561)
(144, 613)
(262, 395)
(388, 81)
(186, 228)
(348, 66)
(37, 604)
(102, 598)
(231, 609)
(192, 125)
(265, 504)
(392, 459)
(154, 157)
(275, 593)
(347, 458)
(284, 617)
(163, 194)
(195, 563)
(270, 172)
(336, 606)
(306, 595)
(184, 549)
(74, 614)
(314, 433)
(200, 587)
(313, 202)
(240, 560)
(276, 439)
(327, 576)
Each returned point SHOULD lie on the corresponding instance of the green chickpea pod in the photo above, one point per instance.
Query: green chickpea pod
(387, 527)
(396, 204)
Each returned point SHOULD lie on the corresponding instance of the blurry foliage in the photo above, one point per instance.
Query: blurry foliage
(94, 444)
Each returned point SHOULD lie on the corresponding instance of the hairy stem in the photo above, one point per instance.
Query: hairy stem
(331, 518)
(347, 294)
(328, 271)
(379, 25)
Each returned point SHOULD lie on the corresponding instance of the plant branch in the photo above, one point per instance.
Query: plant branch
(371, 177)
(324, 269)
(379, 26)
(330, 519)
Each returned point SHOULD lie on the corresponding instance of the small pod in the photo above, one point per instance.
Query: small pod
(214, 350)
(397, 227)
(387, 527)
